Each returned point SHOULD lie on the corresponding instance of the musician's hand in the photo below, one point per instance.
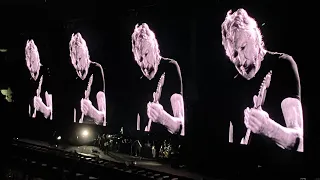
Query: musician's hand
(39, 105)
(86, 107)
(37, 102)
(154, 111)
(257, 120)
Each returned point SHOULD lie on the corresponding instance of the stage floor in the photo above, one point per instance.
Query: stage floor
(123, 158)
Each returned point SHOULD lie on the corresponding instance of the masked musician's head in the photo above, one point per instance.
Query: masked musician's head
(145, 49)
(32, 59)
(79, 55)
(242, 41)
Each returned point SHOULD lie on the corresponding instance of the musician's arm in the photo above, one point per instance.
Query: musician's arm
(290, 137)
(99, 113)
(173, 123)
(46, 107)
(48, 96)
(49, 111)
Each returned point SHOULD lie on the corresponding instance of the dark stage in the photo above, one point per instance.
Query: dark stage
(144, 164)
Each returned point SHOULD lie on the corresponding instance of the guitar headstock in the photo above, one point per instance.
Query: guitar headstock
(262, 91)
(159, 88)
(267, 79)
(266, 82)
(161, 81)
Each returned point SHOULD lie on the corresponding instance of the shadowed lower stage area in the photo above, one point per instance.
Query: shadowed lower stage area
(36, 159)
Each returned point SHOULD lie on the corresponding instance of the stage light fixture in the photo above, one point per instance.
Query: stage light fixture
(85, 133)
(59, 138)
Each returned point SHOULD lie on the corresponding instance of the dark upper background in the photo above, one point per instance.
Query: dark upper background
(188, 32)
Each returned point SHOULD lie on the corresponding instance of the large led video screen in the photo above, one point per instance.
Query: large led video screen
(40, 83)
(160, 103)
(267, 90)
(91, 106)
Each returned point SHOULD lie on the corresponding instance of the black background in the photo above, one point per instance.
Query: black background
(189, 32)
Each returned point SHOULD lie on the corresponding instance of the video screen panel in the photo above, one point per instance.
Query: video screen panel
(40, 99)
(267, 99)
(90, 108)
(160, 88)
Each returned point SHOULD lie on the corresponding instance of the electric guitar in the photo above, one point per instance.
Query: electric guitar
(87, 95)
(156, 96)
(258, 102)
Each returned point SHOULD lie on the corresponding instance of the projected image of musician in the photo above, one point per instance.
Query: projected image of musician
(38, 76)
(91, 105)
(268, 88)
(161, 104)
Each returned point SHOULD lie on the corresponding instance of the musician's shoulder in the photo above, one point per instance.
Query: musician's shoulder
(171, 66)
(175, 64)
(286, 58)
(95, 70)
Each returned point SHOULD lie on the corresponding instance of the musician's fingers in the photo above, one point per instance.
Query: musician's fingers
(36, 106)
(153, 113)
(253, 121)
(83, 106)
(254, 125)
(254, 112)
(151, 116)
(249, 126)
(245, 118)
(247, 110)
(155, 116)
(148, 108)
(249, 120)
(148, 113)
(255, 129)
(246, 122)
